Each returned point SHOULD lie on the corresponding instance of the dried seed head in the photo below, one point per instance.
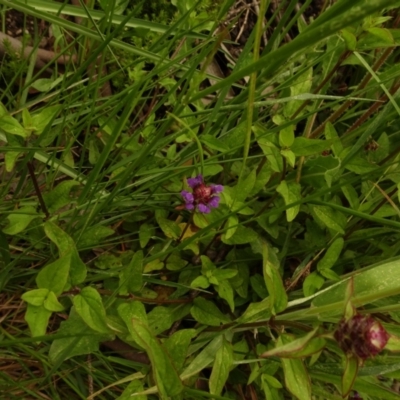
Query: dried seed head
(361, 336)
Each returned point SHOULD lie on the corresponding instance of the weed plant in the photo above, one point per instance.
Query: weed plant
(188, 234)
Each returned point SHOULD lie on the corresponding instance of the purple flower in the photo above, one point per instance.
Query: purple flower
(203, 197)
(361, 336)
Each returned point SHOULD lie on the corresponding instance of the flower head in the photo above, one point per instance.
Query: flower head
(202, 197)
(361, 336)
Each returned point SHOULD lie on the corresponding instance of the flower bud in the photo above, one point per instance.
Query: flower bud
(361, 336)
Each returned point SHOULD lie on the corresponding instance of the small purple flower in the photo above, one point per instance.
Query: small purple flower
(203, 197)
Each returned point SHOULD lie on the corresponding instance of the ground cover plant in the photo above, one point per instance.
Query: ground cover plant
(199, 199)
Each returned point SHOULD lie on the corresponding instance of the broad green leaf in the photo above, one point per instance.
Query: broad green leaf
(59, 197)
(370, 284)
(89, 306)
(291, 192)
(244, 186)
(312, 283)
(177, 346)
(52, 304)
(170, 228)
(145, 234)
(225, 291)
(301, 84)
(350, 39)
(256, 312)
(349, 375)
(297, 380)
(44, 117)
(204, 358)
(221, 367)
(351, 196)
(331, 218)
(263, 176)
(383, 34)
(54, 276)
(94, 235)
(133, 309)
(290, 156)
(286, 136)
(206, 312)
(242, 235)
(272, 153)
(231, 226)
(200, 282)
(79, 339)
(165, 374)
(10, 125)
(35, 297)
(226, 273)
(159, 320)
(207, 265)
(18, 222)
(37, 318)
(307, 147)
(134, 387)
(332, 254)
(273, 280)
(214, 143)
(333, 138)
(285, 350)
(131, 276)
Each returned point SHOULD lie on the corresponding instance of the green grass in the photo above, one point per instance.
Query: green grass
(110, 287)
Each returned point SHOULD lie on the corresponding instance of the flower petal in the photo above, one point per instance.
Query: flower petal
(193, 182)
(189, 206)
(187, 196)
(214, 202)
(217, 188)
(203, 208)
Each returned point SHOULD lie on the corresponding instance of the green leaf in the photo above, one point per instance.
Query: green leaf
(383, 34)
(221, 367)
(159, 320)
(349, 375)
(54, 276)
(333, 138)
(231, 226)
(170, 228)
(18, 222)
(290, 156)
(332, 254)
(225, 291)
(256, 312)
(290, 347)
(273, 280)
(89, 306)
(272, 154)
(164, 371)
(312, 283)
(297, 380)
(37, 318)
(134, 387)
(350, 39)
(44, 117)
(177, 346)
(59, 197)
(145, 234)
(214, 143)
(330, 218)
(10, 125)
(200, 282)
(207, 313)
(35, 297)
(286, 136)
(78, 339)
(52, 304)
(301, 84)
(226, 273)
(131, 276)
(291, 192)
(307, 147)
(244, 186)
(204, 358)
(242, 235)
(94, 235)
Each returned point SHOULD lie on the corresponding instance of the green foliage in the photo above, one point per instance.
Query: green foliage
(119, 279)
